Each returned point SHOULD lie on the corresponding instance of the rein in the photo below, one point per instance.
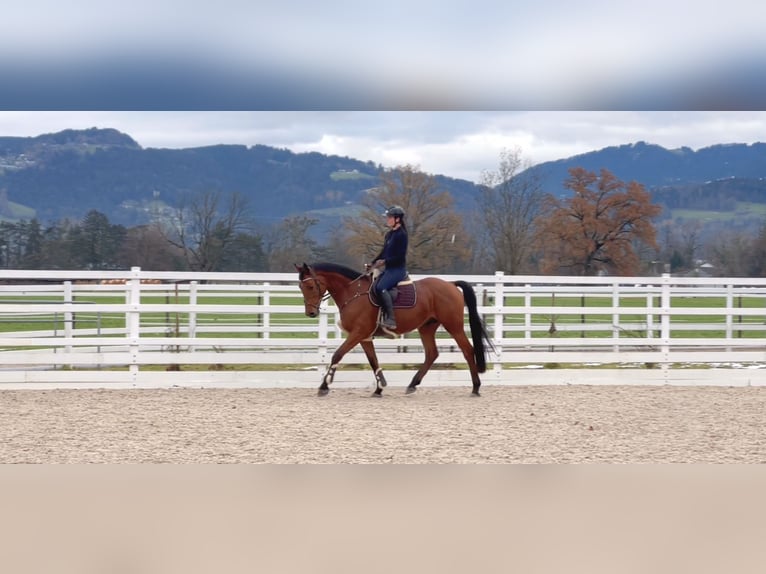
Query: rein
(327, 295)
(358, 292)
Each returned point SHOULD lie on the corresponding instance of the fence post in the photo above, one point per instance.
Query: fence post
(528, 312)
(68, 315)
(616, 315)
(133, 318)
(665, 324)
(649, 314)
(729, 313)
(322, 333)
(265, 315)
(498, 326)
(192, 313)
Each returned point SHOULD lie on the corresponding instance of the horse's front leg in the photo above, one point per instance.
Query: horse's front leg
(372, 357)
(350, 342)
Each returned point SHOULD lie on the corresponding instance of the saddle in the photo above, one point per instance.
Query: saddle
(404, 295)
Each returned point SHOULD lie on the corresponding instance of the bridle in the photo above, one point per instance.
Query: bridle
(327, 295)
(323, 297)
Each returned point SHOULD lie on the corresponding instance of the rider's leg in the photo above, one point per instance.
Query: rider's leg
(389, 322)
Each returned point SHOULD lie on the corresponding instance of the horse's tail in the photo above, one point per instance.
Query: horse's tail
(478, 330)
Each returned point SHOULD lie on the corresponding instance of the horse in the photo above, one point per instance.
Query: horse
(437, 302)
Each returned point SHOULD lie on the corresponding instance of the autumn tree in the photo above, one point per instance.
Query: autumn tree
(438, 242)
(509, 203)
(204, 228)
(596, 228)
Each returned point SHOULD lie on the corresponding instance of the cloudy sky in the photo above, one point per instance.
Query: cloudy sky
(456, 82)
(455, 143)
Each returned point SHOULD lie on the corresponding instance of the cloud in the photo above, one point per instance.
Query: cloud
(237, 55)
(460, 144)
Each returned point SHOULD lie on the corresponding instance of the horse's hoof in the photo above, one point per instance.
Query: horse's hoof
(410, 390)
(377, 394)
(475, 394)
(322, 392)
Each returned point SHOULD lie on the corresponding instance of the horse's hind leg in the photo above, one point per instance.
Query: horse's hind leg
(372, 357)
(465, 346)
(428, 338)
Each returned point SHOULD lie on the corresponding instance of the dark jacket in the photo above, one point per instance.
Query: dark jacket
(394, 251)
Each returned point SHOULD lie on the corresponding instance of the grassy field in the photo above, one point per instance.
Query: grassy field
(743, 208)
(585, 318)
(544, 324)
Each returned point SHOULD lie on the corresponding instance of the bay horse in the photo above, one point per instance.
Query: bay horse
(437, 302)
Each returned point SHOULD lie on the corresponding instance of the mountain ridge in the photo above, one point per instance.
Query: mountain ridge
(68, 173)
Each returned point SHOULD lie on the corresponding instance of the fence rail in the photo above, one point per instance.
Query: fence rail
(142, 328)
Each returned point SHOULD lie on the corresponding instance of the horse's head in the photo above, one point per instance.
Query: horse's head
(312, 288)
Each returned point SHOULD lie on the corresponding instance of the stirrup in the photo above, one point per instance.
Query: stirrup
(387, 332)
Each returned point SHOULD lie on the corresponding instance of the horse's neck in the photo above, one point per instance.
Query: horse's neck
(339, 287)
(336, 286)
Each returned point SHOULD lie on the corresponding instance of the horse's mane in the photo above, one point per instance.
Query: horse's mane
(335, 268)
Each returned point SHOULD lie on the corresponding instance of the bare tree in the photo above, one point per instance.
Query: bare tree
(290, 243)
(510, 201)
(145, 246)
(733, 254)
(203, 229)
(438, 241)
(758, 261)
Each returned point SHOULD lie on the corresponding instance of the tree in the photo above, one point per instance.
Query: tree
(595, 229)
(290, 243)
(95, 241)
(438, 241)
(758, 260)
(57, 250)
(738, 253)
(33, 245)
(145, 246)
(681, 242)
(204, 231)
(245, 255)
(509, 203)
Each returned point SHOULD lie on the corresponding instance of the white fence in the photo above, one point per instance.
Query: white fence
(161, 329)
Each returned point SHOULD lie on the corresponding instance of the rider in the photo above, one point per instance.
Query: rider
(392, 259)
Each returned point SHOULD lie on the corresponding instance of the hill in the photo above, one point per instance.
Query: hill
(715, 186)
(66, 174)
(657, 167)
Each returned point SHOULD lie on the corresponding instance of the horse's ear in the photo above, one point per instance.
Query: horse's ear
(298, 268)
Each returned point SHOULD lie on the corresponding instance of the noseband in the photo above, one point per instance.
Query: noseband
(319, 290)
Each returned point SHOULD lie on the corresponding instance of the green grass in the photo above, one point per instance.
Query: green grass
(350, 175)
(743, 208)
(169, 320)
(625, 317)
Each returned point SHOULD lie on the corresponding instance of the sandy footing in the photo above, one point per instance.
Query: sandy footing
(555, 424)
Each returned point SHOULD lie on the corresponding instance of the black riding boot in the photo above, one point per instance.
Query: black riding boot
(388, 310)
